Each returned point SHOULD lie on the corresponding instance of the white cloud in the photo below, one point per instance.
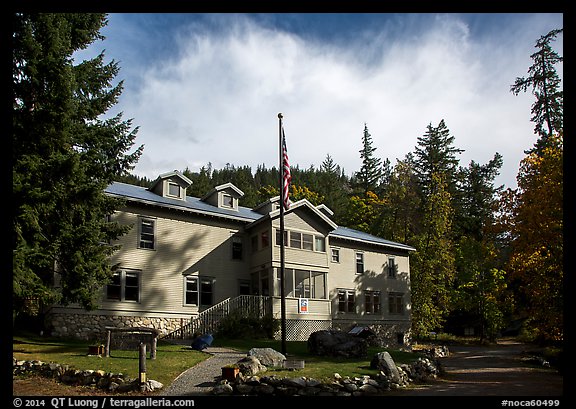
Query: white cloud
(217, 99)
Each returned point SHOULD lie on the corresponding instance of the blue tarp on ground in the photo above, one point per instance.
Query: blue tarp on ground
(202, 342)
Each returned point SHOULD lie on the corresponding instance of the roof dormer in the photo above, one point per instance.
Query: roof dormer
(326, 210)
(268, 206)
(172, 185)
(225, 196)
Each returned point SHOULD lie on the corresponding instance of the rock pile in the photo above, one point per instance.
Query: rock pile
(98, 379)
(384, 381)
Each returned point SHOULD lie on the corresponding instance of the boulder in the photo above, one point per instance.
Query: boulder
(383, 362)
(267, 356)
(250, 365)
(337, 343)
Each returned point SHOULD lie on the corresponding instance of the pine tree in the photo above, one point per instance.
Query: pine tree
(435, 154)
(332, 184)
(368, 177)
(548, 109)
(64, 156)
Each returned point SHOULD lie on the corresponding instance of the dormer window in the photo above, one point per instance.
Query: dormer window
(173, 189)
(227, 201)
(172, 185)
(225, 196)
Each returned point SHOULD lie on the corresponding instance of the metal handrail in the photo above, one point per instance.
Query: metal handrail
(208, 320)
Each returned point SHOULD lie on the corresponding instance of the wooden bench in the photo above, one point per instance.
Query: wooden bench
(130, 338)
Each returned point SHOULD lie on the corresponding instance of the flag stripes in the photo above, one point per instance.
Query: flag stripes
(286, 176)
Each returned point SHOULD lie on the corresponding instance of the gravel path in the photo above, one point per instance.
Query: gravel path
(201, 378)
(496, 370)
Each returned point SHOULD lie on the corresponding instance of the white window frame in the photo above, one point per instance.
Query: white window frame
(122, 274)
(170, 185)
(141, 221)
(356, 262)
(347, 293)
(376, 306)
(199, 294)
(335, 251)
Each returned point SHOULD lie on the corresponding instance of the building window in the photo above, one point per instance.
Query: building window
(125, 286)
(147, 233)
(278, 237)
(173, 189)
(391, 268)
(198, 291)
(395, 303)
(307, 241)
(304, 283)
(265, 282)
(295, 240)
(359, 263)
(227, 201)
(244, 287)
(265, 238)
(335, 255)
(320, 244)
(237, 248)
(303, 241)
(346, 301)
(372, 302)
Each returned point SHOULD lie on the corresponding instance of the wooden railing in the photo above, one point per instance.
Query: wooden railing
(208, 320)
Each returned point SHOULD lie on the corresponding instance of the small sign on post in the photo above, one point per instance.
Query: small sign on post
(302, 305)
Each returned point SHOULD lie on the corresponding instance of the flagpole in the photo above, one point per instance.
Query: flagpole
(282, 268)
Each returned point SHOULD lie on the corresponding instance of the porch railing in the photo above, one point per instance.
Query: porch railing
(208, 320)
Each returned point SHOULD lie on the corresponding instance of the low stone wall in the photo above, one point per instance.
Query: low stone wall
(93, 327)
(418, 371)
(117, 383)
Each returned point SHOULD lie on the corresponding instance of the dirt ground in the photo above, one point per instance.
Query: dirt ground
(496, 370)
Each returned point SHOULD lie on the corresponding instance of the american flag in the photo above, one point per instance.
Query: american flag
(286, 176)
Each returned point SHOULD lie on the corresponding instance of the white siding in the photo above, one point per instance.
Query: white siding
(375, 277)
(185, 245)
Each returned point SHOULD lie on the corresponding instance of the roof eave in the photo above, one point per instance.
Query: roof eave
(389, 245)
(182, 208)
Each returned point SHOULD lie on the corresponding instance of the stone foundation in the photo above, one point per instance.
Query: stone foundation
(93, 327)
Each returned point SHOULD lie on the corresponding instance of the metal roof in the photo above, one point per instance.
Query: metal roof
(351, 234)
(191, 204)
(196, 205)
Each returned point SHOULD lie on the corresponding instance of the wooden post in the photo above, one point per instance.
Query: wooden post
(142, 363)
(108, 338)
(154, 344)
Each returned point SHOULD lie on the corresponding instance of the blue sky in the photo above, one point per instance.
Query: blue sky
(208, 87)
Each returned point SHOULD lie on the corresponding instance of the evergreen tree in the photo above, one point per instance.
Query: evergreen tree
(201, 181)
(401, 215)
(435, 154)
(332, 185)
(368, 177)
(548, 109)
(477, 198)
(432, 266)
(64, 156)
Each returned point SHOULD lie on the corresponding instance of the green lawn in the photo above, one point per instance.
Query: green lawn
(171, 360)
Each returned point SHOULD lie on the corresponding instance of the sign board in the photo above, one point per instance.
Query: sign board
(302, 305)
